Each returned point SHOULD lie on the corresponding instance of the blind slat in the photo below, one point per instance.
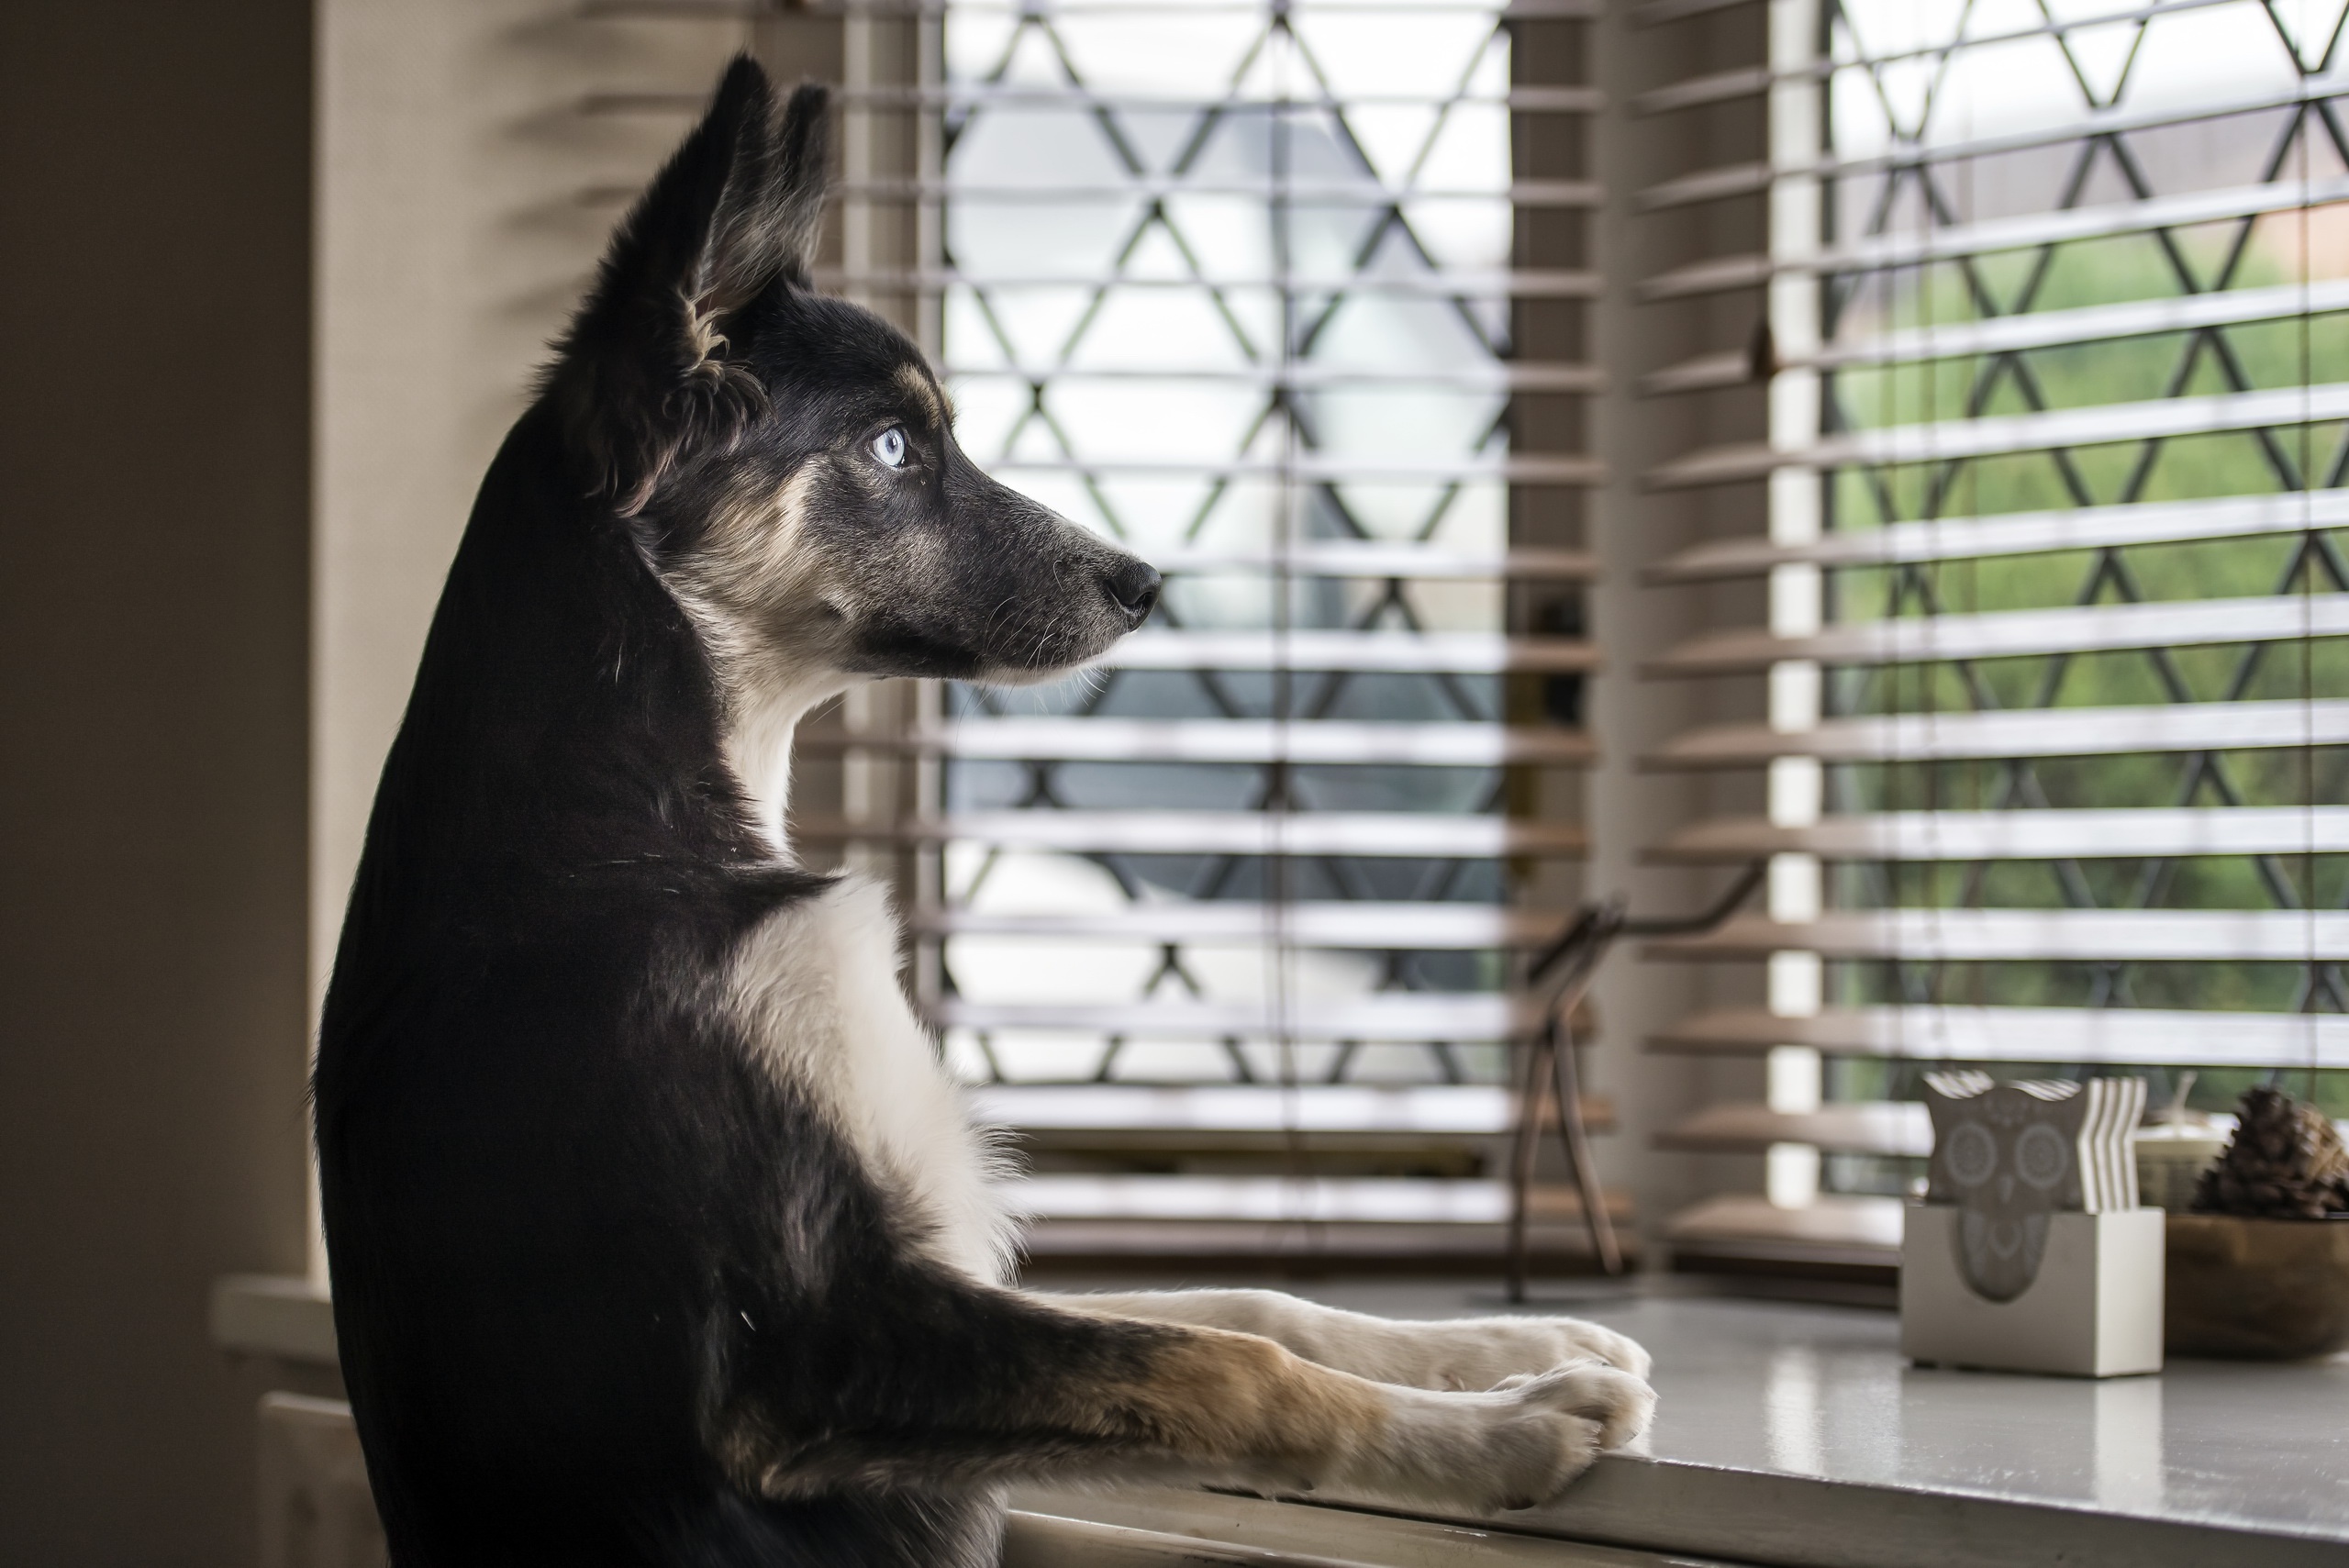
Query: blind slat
(1329, 1200)
(2011, 334)
(2015, 533)
(1314, 742)
(1465, 283)
(996, 95)
(1319, 468)
(2032, 733)
(1453, 1108)
(2006, 634)
(1950, 441)
(1974, 935)
(1412, 928)
(1449, 652)
(1516, 10)
(1563, 195)
(1835, 1227)
(1416, 834)
(1376, 558)
(1397, 1017)
(2022, 834)
(1899, 1129)
(1553, 376)
(1749, 179)
(749, 10)
(1303, 192)
(2124, 1037)
(1908, 248)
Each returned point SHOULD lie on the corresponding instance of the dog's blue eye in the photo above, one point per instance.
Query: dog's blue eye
(889, 446)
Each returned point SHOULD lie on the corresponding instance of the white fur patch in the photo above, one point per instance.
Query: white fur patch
(1462, 1354)
(814, 988)
(758, 749)
(751, 577)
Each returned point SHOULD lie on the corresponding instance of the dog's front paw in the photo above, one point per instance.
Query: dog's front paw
(1618, 1350)
(1486, 1352)
(1555, 1423)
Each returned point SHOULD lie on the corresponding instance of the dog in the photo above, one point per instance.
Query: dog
(659, 1234)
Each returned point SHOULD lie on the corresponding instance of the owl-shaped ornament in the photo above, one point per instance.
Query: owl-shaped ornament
(2007, 1156)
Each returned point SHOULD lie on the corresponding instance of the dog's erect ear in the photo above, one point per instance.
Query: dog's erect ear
(647, 369)
(770, 208)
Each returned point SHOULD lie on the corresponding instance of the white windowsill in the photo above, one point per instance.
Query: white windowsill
(1795, 1435)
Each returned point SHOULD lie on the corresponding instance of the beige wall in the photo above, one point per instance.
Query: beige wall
(466, 187)
(154, 406)
(467, 179)
(173, 847)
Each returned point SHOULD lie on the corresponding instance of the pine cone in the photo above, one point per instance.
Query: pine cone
(2285, 1162)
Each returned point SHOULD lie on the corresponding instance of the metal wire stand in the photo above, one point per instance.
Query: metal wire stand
(1550, 1069)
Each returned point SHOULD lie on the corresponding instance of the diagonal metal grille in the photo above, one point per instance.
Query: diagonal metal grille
(1291, 297)
(2053, 307)
(1234, 286)
(2147, 75)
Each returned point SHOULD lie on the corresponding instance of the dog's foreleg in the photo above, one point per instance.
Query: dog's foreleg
(1018, 1388)
(1461, 1354)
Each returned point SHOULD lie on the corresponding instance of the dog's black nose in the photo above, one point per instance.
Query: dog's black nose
(1133, 585)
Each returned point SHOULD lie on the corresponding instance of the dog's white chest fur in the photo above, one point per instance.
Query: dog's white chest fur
(814, 988)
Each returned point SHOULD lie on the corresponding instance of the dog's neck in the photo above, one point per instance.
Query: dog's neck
(566, 719)
(765, 688)
(757, 743)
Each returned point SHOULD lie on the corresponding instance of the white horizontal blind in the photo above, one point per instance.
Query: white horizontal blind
(1242, 285)
(2053, 322)
(1289, 298)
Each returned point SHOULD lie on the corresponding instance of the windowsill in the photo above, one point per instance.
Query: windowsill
(1799, 1435)
(286, 1318)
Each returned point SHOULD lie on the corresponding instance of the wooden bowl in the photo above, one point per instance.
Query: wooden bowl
(2273, 1289)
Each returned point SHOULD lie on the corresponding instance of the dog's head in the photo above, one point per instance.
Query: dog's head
(788, 460)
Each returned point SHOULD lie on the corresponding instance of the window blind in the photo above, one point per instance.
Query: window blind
(2046, 350)
(1288, 298)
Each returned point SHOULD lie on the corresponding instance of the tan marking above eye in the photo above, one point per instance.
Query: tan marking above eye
(920, 388)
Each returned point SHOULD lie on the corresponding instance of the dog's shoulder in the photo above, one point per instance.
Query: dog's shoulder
(812, 988)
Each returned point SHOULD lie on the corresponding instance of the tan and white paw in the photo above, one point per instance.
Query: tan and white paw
(1555, 1423)
(1618, 1350)
(1484, 1352)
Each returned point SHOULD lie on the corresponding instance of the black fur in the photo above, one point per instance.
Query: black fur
(587, 1254)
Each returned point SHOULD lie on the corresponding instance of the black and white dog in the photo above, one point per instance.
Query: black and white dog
(659, 1235)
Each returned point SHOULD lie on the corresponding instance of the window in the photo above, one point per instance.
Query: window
(2000, 492)
(1266, 292)
(2049, 312)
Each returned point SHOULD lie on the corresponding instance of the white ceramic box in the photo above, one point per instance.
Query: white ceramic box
(2094, 1309)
